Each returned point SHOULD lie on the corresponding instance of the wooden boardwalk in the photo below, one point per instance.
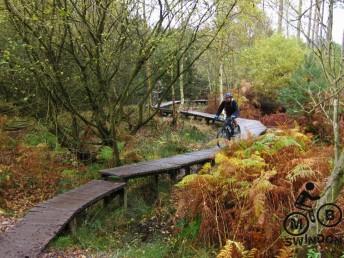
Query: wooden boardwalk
(171, 165)
(160, 166)
(43, 222)
(170, 103)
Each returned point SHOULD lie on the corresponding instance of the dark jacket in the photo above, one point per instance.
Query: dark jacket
(231, 108)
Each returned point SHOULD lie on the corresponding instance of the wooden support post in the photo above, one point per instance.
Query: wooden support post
(173, 175)
(212, 162)
(198, 167)
(187, 171)
(156, 185)
(107, 199)
(123, 195)
(72, 225)
(207, 119)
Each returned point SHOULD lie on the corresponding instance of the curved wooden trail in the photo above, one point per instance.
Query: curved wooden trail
(42, 223)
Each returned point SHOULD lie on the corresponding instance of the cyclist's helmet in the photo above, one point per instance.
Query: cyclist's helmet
(228, 95)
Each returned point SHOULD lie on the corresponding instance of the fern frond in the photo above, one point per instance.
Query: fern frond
(250, 254)
(205, 169)
(259, 205)
(234, 249)
(285, 252)
(300, 171)
(220, 158)
(227, 250)
(187, 180)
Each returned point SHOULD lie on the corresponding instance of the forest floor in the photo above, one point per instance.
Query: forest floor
(103, 233)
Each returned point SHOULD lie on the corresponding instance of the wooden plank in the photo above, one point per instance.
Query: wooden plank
(248, 126)
(30, 236)
(160, 166)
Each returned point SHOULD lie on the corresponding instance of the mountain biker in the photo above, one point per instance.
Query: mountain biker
(303, 197)
(231, 108)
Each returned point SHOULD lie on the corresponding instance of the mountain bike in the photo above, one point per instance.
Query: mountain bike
(229, 130)
(297, 223)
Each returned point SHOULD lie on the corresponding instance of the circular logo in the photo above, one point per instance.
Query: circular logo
(296, 223)
(329, 215)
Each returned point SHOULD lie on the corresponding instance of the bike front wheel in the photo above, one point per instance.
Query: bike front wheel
(223, 137)
(237, 132)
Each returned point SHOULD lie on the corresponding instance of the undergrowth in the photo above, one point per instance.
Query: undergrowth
(35, 167)
(247, 194)
(145, 229)
(164, 141)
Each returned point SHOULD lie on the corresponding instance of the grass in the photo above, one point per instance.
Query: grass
(116, 233)
(112, 232)
(142, 231)
(167, 142)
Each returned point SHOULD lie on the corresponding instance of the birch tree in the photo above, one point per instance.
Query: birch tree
(89, 57)
(299, 20)
(280, 15)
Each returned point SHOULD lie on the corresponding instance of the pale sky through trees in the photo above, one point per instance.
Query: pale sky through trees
(338, 25)
(338, 20)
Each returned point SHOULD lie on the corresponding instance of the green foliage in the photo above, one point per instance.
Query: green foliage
(306, 80)
(41, 137)
(171, 142)
(312, 253)
(189, 230)
(105, 153)
(157, 249)
(193, 135)
(271, 62)
(62, 242)
(271, 143)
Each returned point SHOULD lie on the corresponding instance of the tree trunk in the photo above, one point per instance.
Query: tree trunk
(221, 80)
(280, 16)
(287, 17)
(115, 148)
(181, 83)
(322, 15)
(317, 21)
(299, 14)
(335, 182)
(314, 24)
(335, 122)
(332, 190)
(330, 21)
(149, 83)
(209, 80)
(310, 23)
(174, 111)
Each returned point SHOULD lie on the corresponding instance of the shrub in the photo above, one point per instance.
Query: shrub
(271, 63)
(278, 119)
(307, 79)
(31, 174)
(251, 189)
